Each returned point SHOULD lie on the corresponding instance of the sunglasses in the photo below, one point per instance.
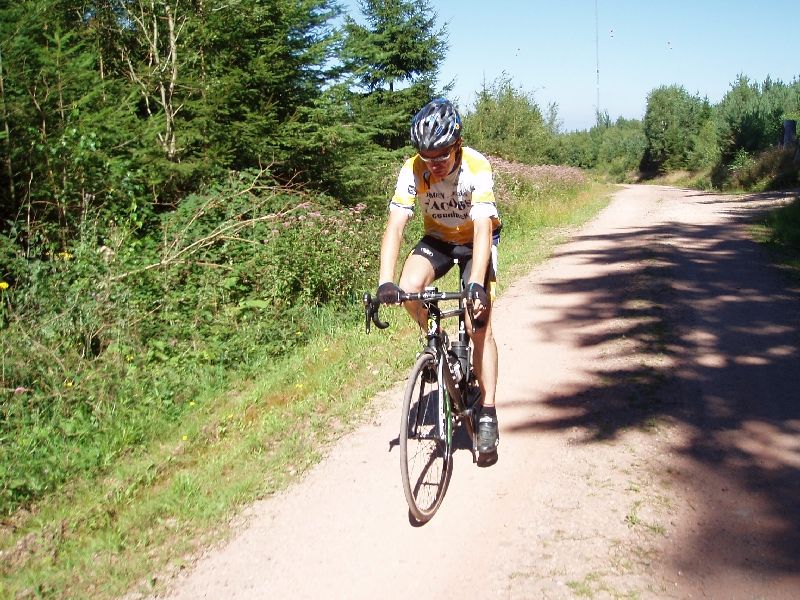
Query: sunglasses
(437, 159)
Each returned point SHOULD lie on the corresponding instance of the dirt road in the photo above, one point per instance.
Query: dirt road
(649, 402)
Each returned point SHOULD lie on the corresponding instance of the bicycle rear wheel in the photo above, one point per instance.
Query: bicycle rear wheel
(426, 434)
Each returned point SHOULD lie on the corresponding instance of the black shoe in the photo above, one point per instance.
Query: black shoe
(488, 437)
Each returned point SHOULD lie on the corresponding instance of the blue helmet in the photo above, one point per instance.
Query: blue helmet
(436, 125)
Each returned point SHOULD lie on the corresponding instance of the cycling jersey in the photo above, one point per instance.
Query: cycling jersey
(450, 203)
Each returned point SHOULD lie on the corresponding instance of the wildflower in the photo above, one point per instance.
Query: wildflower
(185, 437)
(20, 390)
(298, 385)
(299, 333)
(3, 285)
(65, 256)
(68, 383)
(191, 403)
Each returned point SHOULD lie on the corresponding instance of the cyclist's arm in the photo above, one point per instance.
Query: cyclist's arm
(390, 245)
(481, 249)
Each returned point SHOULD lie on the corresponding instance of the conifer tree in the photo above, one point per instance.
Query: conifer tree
(393, 61)
(264, 63)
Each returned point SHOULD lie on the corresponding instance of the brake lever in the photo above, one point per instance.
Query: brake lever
(371, 307)
(367, 310)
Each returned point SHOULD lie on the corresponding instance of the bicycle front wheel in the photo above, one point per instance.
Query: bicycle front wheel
(426, 434)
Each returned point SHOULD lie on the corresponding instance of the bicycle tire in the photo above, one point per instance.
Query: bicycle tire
(426, 436)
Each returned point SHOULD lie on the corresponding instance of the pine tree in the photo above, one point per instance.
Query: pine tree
(264, 63)
(393, 61)
(49, 89)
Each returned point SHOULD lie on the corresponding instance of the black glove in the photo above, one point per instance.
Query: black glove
(388, 293)
(476, 290)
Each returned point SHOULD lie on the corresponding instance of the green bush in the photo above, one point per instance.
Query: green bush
(507, 122)
(613, 149)
(784, 225)
(673, 122)
(105, 342)
(774, 168)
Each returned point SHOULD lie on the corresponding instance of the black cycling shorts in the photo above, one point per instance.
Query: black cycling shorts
(442, 256)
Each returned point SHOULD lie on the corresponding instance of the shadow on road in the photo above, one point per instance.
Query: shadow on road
(719, 335)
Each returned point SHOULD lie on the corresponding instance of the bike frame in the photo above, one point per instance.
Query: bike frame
(438, 344)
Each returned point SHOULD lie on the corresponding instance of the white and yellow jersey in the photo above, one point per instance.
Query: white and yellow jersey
(451, 203)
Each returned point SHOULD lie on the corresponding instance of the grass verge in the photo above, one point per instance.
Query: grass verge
(780, 232)
(152, 511)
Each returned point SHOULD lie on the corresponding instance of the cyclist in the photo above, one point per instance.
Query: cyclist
(453, 185)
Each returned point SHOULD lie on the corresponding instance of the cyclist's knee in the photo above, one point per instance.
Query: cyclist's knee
(414, 281)
(417, 274)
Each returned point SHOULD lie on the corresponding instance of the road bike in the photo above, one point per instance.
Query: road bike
(441, 396)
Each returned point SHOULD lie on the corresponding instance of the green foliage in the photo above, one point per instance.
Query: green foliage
(771, 169)
(336, 150)
(263, 63)
(673, 122)
(750, 117)
(732, 144)
(400, 44)
(620, 145)
(393, 60)
(784, 227)
(507, 122)
(614, 149)
(103, 345)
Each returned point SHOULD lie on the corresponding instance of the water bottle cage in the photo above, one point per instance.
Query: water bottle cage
(455, 368)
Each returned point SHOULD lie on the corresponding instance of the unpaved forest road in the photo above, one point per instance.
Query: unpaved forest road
(649, 402)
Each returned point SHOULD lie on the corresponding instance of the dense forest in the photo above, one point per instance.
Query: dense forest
(184, 184)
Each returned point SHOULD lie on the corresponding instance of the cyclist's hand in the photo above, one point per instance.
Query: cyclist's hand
(480, 303)
(388, 293)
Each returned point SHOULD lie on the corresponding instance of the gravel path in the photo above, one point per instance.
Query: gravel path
(650, 439)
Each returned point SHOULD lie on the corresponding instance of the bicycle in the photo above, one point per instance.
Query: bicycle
(441, 395)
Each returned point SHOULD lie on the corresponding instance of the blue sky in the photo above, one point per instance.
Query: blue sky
(549, 49)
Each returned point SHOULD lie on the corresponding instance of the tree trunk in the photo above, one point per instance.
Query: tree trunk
(163, 71)
(12, 192)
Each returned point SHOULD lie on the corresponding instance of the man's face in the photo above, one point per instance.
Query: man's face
(440, 162)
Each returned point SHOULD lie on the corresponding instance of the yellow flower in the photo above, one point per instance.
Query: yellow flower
(298, 385)
(65, 255)
(3, 285)
(185, 437)
(68, 383)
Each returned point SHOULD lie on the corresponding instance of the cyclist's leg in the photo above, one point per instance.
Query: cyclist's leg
(417, 274)
(427, 262)
(484, 346)
(485, 361)
(483, 342)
